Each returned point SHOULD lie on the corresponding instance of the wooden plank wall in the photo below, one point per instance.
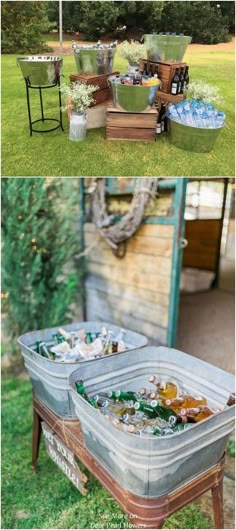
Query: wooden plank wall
(203, 239)
(132, 292)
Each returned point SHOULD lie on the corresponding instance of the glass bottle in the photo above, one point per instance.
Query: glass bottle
(174, 88)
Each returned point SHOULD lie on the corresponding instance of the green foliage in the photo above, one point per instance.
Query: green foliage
(231, 448)
(39, 245)
(206, 22)
(47, 499)
(22, 25)
(202, 20)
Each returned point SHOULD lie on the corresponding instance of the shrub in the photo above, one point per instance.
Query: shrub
(22, 25)
(40, 240)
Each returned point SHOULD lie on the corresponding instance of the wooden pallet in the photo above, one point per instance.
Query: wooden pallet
(122, 125)
(166, 71)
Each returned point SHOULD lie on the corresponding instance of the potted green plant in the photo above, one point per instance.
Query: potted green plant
(132, 52)
(78, 98)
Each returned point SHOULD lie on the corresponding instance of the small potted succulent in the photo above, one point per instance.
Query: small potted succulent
(78, 99)
(132, 52)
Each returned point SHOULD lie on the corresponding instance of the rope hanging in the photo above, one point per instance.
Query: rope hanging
(115, 234)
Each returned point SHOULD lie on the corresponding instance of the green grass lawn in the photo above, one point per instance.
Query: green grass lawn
(53, 154)
(47, 499)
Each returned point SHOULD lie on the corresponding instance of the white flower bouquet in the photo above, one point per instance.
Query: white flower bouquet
(78, 96)
(132, 51)
(203, 92)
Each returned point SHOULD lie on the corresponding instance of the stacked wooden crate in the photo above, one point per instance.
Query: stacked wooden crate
(166, 72)
(102, 97)
(122, 125)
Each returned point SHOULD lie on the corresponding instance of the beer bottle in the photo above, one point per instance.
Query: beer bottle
(164, 127)
(158, 131)
(192, 401)
(146, 408)
(174, 88)
(43, 350)
(167, 390)
(156, 71)
(145, 72)
(99, 401)
(181, 81)
(150, 73)
(186, 77)
(126, 396)
(79, 385)
(162, 412)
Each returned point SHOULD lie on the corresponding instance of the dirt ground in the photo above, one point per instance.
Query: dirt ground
(223, 46)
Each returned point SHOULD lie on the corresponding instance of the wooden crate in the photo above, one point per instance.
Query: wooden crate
(122, 125)
(166, 71)
(163, 97)
(104, 93)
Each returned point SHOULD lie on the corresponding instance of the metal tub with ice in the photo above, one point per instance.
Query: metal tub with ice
(151, 466)
(133, 98)
(49, 378)
(166, 47)
(41, 70)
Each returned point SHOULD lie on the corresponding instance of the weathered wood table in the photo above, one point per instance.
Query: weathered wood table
(145, 513)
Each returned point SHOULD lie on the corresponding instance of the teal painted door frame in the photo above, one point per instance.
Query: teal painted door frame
(176, 219)
(177, 258)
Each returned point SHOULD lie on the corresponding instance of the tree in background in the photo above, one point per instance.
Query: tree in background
(206, 22)
(202, 20)
(40, 241)
(22, 26)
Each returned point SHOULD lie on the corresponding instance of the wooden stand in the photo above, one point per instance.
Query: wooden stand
(166, 71)
(150, 513)
(122, 125)
(104, 93)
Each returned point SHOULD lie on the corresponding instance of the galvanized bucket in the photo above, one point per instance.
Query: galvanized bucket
(195, 139)
(152, 466)
(41, 70)
(50, 378)
(166, 47)
(133, 98)
(94, 61)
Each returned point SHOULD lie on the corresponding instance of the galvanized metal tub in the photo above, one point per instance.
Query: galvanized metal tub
(150, 466)
(41, 70)
(133, 98)
(50, 378)
(166, 47)
(195, 139)
(94, 61)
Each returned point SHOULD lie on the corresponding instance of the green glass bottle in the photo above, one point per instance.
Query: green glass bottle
(146, 408)
(126, 396)
(98, 402)
(162, 412)
(79, 385)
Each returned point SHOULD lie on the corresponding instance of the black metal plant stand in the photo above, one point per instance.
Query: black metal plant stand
(42, 119)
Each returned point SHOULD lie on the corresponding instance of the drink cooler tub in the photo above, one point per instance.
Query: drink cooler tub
(94, 61)
(166, 47)
(151, 466)
(50, 378)
(133, 98)
(195, 139)
(41, 70)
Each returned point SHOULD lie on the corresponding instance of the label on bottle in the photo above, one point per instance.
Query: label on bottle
(174, 88)
(158, 128)
(163, 126)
